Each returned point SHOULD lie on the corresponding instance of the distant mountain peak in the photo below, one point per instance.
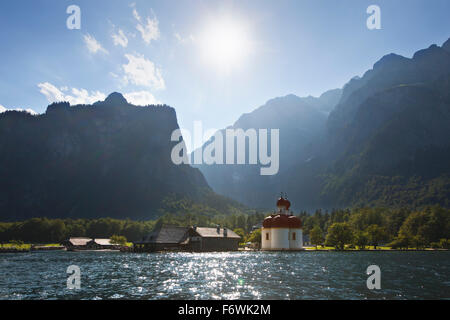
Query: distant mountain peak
(446, 45)
(116, 98)
(289, 97)
(389, 59)
(431, 51)
(114, 148)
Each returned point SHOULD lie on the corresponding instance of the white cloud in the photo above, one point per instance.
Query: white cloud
(93, 45)
(52, 93)
(82, 96)
(189, 38)
(141, 98)
(142, 72)
(119, 38)
(149, 28)
(136, 15)
(77, 96)
(30, 111)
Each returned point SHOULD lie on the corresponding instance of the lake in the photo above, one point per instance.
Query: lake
(234, 275)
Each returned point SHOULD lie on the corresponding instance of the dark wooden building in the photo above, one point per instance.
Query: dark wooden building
(213, 239)
(164, 238)
(102, 244)
(80, 243)
(197, 239)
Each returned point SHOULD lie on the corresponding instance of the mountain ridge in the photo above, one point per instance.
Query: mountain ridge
(398, 92)
(110, 159)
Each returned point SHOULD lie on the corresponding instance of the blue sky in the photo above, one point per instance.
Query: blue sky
(160, 50)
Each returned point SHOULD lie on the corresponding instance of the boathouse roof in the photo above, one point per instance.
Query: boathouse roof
(167, 234)
(78, 241)
(102, 242)
(215, 233)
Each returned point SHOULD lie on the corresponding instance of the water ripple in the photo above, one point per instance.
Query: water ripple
(236, 275)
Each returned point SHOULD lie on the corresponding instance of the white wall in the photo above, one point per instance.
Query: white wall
(265, 244)
(280, 238)
(298, 242)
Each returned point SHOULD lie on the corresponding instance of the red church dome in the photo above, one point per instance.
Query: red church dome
(288, 204)
(267, 223)
(282, 202)
(295, 222)
(280, 221)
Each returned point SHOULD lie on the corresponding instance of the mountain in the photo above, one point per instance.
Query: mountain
(301, 123)
(389, 136)
(385, 141)
(326, 102)
(109, 159)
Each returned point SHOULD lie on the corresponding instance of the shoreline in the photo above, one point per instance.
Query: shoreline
(49, 249)
(348, 250)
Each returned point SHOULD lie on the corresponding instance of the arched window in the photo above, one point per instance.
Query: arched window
(293, 236)
(267, 236)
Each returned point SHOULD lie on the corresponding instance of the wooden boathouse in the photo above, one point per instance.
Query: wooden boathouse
(101, 244)
(76, 243)
(81, 243)
(196, 239)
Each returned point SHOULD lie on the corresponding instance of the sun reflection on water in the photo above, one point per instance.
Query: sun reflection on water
(235, 275)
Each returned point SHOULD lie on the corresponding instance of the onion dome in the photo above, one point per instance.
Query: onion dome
(280, 202)
(295, 222)
(280, 221)
(288, 204)
(283, 202)
(267, 223)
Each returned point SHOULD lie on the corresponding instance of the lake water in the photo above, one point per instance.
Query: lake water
(235, 275)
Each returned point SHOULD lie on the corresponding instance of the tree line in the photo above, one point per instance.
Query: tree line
(43, 230)
(340, 228)
(396, 228)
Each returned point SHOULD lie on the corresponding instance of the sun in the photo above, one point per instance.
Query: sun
(224, 44)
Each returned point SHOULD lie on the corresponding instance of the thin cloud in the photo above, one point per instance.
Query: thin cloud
(120, 39)
(93, 45)
(189, 39)
(30, 111)
(76, 96)
(149, 28)
(83, 96)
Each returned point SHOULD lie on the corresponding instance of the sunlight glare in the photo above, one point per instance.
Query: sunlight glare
(224, 44)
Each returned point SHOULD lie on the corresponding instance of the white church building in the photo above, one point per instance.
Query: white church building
(282, 230)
